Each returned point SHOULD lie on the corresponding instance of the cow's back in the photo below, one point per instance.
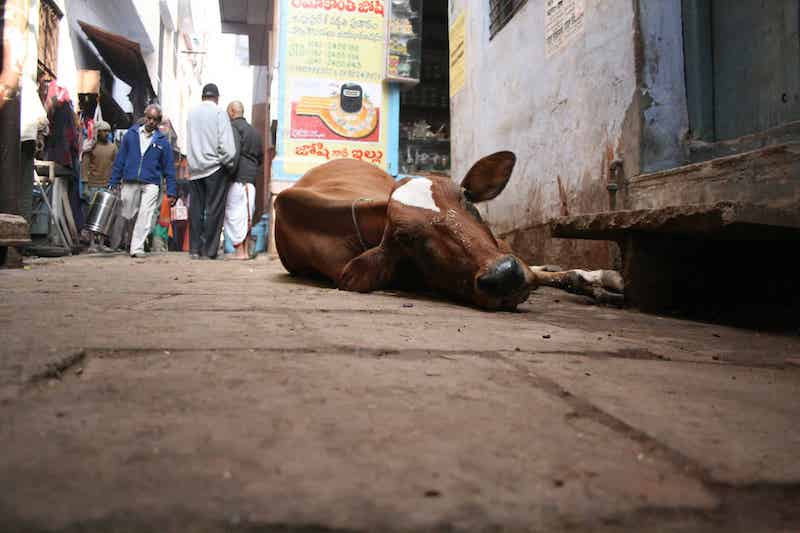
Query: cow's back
(314, 228)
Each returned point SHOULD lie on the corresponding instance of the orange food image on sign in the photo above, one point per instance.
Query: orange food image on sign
(349, 125)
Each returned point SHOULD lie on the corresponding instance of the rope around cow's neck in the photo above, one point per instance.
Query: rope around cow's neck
(355, 220)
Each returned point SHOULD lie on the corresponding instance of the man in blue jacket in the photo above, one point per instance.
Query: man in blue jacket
(144, 157)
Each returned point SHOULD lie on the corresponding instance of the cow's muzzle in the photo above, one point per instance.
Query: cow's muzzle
(503, 278)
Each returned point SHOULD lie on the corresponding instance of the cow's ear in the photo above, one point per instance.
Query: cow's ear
(488, 177)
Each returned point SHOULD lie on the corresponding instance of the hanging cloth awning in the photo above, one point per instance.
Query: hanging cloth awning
(122, 55)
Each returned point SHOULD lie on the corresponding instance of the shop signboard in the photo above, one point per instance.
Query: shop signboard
(332, 100)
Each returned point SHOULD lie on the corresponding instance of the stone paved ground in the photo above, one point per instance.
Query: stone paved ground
(167, 395)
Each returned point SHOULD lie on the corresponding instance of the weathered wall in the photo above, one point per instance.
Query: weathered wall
(150, 15)
(565, 116)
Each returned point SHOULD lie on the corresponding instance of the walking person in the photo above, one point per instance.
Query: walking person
(144, 157)
(241, 204)
(211, 152)
(97, 164)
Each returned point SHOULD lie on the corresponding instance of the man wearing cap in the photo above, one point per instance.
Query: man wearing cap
(144, 158)
(210, 153)
(96, 171)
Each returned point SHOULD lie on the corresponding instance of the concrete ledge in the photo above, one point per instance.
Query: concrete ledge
(700, 259)
(13, 230)
(14, 242)
(724, 220)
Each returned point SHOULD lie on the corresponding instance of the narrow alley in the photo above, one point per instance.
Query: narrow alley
(376, 266)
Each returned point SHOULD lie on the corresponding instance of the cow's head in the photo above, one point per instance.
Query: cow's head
(433, 223)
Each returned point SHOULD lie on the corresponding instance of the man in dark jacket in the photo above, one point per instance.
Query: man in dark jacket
(241, 201)
(144, 157)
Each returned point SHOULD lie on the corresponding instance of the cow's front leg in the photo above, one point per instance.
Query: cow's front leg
(370, 271)
(605, 286)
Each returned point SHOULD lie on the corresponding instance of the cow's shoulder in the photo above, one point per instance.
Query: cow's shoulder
(343, 176)
(336, 185)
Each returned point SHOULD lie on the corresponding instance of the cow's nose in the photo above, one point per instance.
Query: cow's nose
(504, 277)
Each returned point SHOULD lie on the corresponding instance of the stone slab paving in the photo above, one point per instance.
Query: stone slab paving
(175, 395)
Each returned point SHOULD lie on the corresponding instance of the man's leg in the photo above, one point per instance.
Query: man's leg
(197, 204)
(129, 196)
(216, 192)
(250, 194)
(144, 221)
(236, 219)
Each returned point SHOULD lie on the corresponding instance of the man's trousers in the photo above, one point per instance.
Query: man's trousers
(207, 213)
(144, 198)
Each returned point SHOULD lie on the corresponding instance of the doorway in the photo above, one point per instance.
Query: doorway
(742, 66)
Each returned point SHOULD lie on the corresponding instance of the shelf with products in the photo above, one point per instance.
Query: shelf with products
(424, 155)
(426, 142)
(403, 41)
(424, 137)
(427, 96)
(424, 145)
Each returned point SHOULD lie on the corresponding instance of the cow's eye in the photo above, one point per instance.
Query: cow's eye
(472, 210)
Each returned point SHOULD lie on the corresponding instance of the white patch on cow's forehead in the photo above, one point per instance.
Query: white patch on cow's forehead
(416, 193)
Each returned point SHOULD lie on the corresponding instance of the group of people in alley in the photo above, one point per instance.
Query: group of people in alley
(224, 154)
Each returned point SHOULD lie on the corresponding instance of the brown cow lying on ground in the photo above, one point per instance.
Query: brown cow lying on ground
(352, 223)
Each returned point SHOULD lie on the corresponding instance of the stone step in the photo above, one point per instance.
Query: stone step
(723, 220)
(13, 230)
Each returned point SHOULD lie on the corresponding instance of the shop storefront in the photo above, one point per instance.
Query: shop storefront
(424, 140)
(362, 79)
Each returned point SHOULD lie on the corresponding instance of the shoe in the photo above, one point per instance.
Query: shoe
(194, 256)
(140, 255)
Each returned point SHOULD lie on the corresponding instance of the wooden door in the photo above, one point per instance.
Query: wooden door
(756, 65)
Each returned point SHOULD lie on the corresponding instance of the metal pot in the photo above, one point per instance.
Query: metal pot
(101, 211)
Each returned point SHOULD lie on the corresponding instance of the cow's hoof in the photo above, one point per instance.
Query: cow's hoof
(612, 280)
